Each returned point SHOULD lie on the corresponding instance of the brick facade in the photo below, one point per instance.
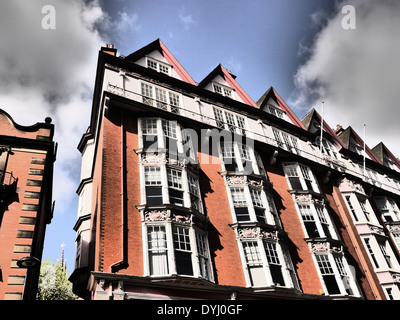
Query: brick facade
(25, 202)
(284, 229)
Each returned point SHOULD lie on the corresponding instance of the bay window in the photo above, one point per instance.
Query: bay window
(316, 220)
(157, 250)
(176, 248)
(335, 274)
(266, 263)
(153, 183)
(183, 253)
(251, 203)
(175, 186)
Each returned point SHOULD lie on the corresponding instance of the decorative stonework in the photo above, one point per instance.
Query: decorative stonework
(256, 232)
(181, 218)
(236, 180)
(176, 162)
(348, 185)
(152, 158)
(255, 183)
(325, 247)
(156, 215)
(320, 247)
(308, 198)
(303, 198)
(396, 277)
(269, 235)
(245, 233)
(394, 228)
(377, 230)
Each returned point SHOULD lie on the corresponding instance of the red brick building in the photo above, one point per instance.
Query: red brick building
(27, 154)
(193, 190)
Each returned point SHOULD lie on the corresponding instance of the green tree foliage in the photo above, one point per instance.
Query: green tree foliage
(53, 282)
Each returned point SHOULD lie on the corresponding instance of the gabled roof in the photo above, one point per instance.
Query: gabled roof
(230, 79)
(158, 45)
(380, 149)
(345, 136)
(271, 93)
(314, 115)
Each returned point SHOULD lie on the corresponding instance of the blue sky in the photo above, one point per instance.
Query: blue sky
(257, 40)
(297, 46)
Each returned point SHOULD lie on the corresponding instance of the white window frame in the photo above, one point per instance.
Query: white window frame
(326, 266)
(276, 111)
(162, 132)
(230, 121)
(303, 173)
(159, 66)
(223, 90)
(270, 216)
(328, 148)
(286, 141)
(317, 213)
(388, 208)
(201, 261)
(360, 208)
(255, 256)
(161, 98)
(380, 253)
(241, 153)
(160, 162)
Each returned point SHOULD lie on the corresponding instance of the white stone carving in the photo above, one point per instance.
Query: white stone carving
(156, 215)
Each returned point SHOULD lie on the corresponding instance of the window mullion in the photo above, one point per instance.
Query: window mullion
(317, 220)
(171, 249)
(337, 274)
(283, 264)
(195, 254)
(250, 205)
(237, 154)
(265, 263)
(160, 134)
(185, 187)
(164, 184)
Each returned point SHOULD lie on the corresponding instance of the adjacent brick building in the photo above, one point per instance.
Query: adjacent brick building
(27, 155)
(194, 190)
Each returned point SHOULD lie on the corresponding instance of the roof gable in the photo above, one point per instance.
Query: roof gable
(230, 81)
(312, 122)
(157, 45)
(384, 154)
(349, 135)
(271, 93)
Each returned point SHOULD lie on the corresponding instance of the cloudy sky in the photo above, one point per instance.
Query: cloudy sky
(300, 47)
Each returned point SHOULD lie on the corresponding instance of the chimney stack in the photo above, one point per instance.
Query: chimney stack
(109, 49)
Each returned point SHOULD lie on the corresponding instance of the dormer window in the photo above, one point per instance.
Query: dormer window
(222, 90)
(158, 66)
(328, 148)
(275, 111)
(389, 163)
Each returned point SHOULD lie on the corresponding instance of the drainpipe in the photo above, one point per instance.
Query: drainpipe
(122, 264)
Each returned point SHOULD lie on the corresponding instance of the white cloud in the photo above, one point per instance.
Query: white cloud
(127, 22)
(355, 72)
(51, 73)
(186, 19)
